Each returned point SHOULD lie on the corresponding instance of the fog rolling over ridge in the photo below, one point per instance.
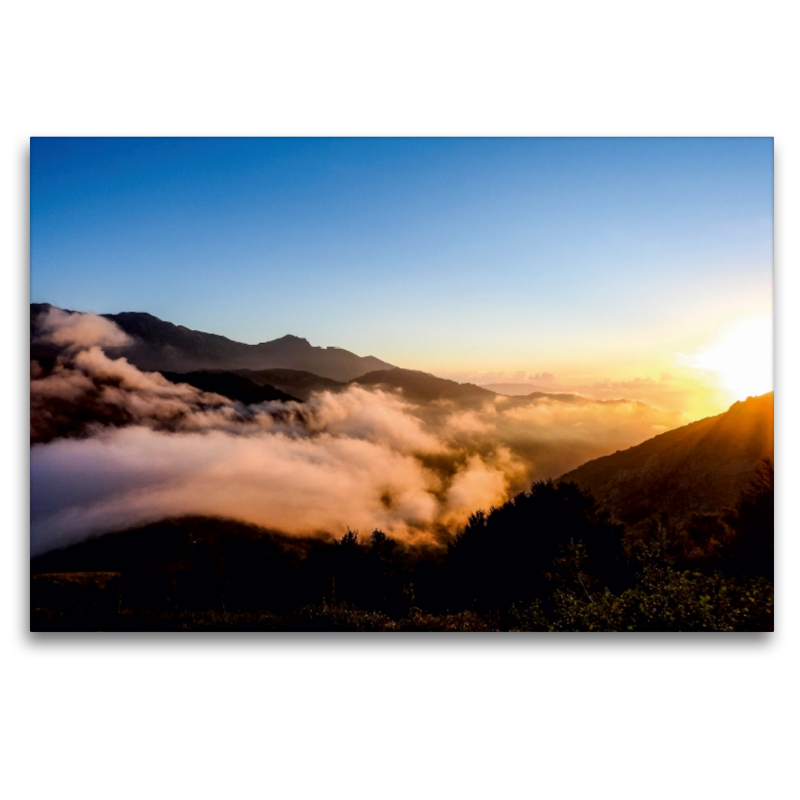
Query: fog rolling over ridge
(116, 444)
(153, 344)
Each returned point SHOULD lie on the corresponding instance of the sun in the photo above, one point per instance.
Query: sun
(741, 358)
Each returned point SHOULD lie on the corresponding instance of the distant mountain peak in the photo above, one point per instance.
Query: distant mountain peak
(164, 346)
(290, 338)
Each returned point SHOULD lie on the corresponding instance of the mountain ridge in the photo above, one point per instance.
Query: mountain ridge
(701, 467)
(164, 346)
(230, 385)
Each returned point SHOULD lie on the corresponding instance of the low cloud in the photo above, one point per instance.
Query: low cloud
(294, 484)
(116, 447)
(663, 392)
(87, 389)
(77, 330)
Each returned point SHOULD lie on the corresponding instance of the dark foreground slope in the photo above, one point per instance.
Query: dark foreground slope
(549, 559)
(702, 467)
(160, 345)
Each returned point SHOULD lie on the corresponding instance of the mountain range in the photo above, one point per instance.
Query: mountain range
(230, 385)
(701, 467)
(416, 386)
(163, 346)
(288, 368)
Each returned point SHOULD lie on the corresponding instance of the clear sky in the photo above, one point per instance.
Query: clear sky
(589, 259)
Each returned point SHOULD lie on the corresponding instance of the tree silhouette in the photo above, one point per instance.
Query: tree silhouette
(508, 555)
(753, 548)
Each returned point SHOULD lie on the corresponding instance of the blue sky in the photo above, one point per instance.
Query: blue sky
(579, 256)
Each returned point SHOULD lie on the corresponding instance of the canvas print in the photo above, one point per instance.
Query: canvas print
(401, 384)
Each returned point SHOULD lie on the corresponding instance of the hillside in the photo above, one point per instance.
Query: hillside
(288, 366)
(230, 385)
(416, 386)
(701, 467)
(423, 387)
(295, 382)
(161, 345)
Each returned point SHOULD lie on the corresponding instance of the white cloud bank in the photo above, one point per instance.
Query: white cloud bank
(358, 459)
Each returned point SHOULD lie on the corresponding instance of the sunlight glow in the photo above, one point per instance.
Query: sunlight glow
(741, 358)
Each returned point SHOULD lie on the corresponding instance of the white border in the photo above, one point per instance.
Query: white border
(147, 716)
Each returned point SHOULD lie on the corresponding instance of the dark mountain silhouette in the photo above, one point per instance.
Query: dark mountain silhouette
(230, 385)
(160, 346)
(423, 387)
(196, 561)
(289, 365)
(296, 382)
(567, 397)
(416, 386)
(701, 467)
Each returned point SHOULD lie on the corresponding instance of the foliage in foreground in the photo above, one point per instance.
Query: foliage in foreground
(548, 560)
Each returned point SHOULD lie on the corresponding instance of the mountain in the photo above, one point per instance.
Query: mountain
(296, 382)
(415, 385)
(230, 385)
(422, 387)
(160, 345)
(288, 365)
(701, 467)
